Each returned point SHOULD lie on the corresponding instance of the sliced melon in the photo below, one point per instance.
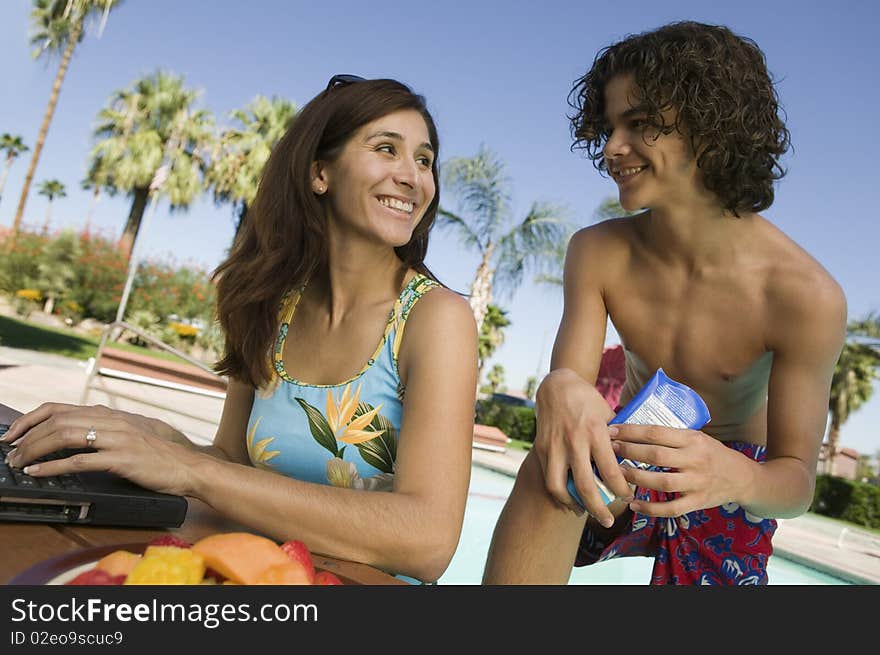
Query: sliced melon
(240, 556)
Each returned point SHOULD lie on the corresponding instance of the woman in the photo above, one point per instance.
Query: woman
(685, 120)
(330, 392)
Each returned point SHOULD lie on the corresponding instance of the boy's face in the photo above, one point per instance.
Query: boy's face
(652, 170)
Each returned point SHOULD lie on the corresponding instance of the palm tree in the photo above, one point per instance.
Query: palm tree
(491, 334)
(151, 122)
(495, 379)
(852, 384)
(57, 270)
(56, 26)
(51, 189)
(99, 178)
(531, 387)
(506, 251)
(610, 208)
(555, 264)
(13, 146)
(241, 152)
(866, 330)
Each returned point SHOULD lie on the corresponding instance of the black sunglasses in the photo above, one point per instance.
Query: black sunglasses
(343, 80)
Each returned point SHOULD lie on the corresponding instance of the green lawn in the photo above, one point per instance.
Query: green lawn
(19, 334)
(520, 445)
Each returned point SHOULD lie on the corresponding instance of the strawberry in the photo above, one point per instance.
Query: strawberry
(169, 540)
(97, 577)
(299, 552)
(326, 578)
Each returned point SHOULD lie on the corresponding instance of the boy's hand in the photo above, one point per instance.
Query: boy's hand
(703, 471)
(572, 433)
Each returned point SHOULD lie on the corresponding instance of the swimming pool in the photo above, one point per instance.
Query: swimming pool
(487, 494)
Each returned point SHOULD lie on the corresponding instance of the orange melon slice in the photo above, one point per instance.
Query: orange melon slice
(240, 556)
(119, 562)
(285, 574)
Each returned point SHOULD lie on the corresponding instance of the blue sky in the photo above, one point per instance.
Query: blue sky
(495, 73)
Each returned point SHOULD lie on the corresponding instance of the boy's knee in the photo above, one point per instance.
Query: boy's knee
(530, 475)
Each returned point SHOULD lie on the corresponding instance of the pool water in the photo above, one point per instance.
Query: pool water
(487, 495)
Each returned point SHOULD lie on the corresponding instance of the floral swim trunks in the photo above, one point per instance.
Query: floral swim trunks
(722, 545)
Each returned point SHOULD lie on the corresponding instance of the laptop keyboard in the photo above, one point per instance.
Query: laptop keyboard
(14, 478)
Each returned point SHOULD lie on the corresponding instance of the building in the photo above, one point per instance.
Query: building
(845, 462)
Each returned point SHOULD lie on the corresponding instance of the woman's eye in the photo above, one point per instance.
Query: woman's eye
(425, 161)
(386, 147)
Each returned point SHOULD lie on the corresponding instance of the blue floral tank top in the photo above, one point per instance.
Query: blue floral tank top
(341, 434)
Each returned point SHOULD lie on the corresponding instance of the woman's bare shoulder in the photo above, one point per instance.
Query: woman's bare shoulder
(438, 307)
(440, 328)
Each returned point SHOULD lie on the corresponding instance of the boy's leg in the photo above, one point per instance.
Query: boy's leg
(535, 540)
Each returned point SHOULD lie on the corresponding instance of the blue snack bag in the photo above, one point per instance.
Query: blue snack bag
(662, 401)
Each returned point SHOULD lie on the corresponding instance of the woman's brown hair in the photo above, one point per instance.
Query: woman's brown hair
(724, 99)
(284, 240)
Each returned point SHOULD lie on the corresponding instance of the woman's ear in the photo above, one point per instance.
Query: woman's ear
(318, 175)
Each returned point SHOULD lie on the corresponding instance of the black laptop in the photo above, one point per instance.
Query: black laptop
(91, 498)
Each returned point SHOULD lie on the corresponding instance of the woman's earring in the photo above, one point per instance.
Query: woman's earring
(319, 189)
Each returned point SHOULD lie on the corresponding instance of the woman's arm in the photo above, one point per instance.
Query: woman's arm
(413, 530)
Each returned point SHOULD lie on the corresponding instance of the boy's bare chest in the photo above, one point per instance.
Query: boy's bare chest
(706, 331)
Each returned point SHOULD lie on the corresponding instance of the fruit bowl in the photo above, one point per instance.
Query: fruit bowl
(225, 558)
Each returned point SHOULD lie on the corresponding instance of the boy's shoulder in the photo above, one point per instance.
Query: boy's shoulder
(621, 231)
(794, 270)
(800, 288)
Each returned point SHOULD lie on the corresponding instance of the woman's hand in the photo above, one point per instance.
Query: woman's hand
(704, 472)
(572, 433)
(129, 445)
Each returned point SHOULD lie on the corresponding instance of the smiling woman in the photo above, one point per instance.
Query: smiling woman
(348, 418)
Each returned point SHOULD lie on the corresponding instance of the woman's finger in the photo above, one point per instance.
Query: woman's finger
(62, 435)
(25, 422)
(78, 463)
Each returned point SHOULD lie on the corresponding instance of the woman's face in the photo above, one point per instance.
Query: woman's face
(381, 184)
(651, 169)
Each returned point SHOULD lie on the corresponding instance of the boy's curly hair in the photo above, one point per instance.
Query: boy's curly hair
(724, 101)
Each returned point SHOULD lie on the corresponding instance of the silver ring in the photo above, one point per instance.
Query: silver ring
(91, 436)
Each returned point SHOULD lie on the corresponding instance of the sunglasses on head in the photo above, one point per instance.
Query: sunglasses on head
(343, 80)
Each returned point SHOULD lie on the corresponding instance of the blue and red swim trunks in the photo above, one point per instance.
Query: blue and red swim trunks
(722, 545)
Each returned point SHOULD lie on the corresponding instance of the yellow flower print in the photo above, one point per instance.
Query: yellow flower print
(257, 451)
(339, 417)
(343, 474)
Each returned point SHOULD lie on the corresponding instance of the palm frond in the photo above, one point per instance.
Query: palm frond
(532, 244)
(481, 188)
(466, 235)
